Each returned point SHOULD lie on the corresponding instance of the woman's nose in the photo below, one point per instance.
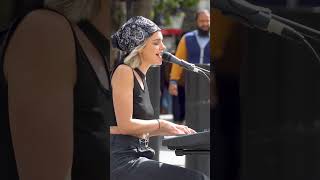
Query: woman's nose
(163, 47)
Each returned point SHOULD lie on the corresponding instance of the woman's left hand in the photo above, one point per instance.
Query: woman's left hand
(186, 129)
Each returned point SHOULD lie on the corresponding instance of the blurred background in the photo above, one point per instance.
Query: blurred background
(264, 91)
(268, 120)
(175, 18)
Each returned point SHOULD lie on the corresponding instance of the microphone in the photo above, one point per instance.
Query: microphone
(256, 16)
(166, 56)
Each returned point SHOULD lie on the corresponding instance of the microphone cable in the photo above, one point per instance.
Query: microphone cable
(299, 35)
(312, 49)
(203, 73)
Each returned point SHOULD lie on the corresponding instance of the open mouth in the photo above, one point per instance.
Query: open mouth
(159, 55)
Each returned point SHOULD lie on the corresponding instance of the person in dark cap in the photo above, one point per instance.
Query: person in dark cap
(140, 40)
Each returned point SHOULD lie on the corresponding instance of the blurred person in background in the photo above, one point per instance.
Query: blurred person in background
(193, 47)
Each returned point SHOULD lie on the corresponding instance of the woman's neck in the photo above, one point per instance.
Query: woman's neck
(144, 68)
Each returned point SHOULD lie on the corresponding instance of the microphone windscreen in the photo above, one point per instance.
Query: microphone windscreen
(166, 56)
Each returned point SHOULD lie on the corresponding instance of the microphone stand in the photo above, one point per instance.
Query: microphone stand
(305, 30)
(299, 29)
(200, 68)
(202, 71)
(196, 69)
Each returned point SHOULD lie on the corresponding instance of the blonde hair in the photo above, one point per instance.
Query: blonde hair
(133, 59)
(75, 10)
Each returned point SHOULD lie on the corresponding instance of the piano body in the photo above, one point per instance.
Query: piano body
(198, 143)
(196, 147)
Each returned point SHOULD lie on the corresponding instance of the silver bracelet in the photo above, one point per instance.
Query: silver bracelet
(158, 122)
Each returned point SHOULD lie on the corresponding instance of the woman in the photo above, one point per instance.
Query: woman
(54, 91)
(141, 41)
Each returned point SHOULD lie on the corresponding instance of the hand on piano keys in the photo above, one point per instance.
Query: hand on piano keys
(169, 128)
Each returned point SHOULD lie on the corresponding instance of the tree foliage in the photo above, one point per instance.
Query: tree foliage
(167, 8)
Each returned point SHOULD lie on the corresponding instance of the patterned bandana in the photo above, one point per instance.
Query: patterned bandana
(133, 33)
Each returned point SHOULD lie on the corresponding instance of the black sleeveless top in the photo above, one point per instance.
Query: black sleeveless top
(93, 110)
(142, 107)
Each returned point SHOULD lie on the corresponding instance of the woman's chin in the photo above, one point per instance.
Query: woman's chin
(158, 63)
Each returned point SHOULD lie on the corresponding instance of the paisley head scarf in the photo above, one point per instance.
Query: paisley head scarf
(133, 33)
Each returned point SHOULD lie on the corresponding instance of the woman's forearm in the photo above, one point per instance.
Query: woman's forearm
(140, 128)
(117, 130)
(158, 133)
(137, 126)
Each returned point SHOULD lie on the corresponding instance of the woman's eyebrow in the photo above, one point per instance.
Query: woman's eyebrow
(159, 39)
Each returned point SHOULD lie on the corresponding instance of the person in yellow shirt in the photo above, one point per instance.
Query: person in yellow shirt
(193, 47)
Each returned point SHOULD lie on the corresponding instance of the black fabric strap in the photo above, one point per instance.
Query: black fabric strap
(98, 40)
(142, 76)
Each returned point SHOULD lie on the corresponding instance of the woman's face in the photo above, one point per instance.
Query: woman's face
(151, 53)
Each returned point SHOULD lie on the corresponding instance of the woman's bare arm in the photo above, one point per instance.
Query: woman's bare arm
(40, 70)
(122, 89)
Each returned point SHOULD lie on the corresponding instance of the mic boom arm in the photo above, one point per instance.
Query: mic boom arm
(166, 56)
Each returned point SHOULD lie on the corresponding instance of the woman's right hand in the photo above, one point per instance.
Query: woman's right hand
(174, 129)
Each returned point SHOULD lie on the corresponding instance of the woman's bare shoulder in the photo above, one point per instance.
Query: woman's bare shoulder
(123, 71)
(44, 24)
(45, 18)
(123, 74)
(41, 36)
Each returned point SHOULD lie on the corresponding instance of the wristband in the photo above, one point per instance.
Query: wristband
(158, 123)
